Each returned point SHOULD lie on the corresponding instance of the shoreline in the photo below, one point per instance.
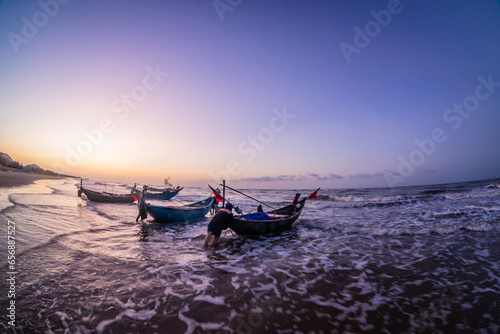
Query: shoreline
(11, 177)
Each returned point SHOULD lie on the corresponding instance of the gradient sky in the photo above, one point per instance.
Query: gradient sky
(258, 92)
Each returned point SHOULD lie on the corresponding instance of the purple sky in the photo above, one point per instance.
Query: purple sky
(285, 94)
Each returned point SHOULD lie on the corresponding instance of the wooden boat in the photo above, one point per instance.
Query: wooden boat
(281, 219)
(106, 197)
(164, 194)
(177, 214)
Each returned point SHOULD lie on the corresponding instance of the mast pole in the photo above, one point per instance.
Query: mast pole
(223, 193)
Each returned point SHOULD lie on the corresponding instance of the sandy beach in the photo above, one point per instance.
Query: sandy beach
(12, 177)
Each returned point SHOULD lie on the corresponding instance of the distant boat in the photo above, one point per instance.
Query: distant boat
(177, 214)
(165, 194)
(106, 197)
(280, 220)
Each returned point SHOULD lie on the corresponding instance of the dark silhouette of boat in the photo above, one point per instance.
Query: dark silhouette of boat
(281, 219)
(164, 194)
(106, 197)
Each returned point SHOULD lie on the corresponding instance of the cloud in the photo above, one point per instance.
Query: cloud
(293, 178)
(364, 176)
(329, 177)
(315, 177)
(279, 178)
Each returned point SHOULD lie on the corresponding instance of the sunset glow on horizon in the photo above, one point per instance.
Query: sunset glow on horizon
(280, 95)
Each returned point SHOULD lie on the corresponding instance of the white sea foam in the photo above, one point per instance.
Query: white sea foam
(169, 292)
(62, 317)
(141, 315)
(192, 325)
(128, 304)
(233, 269)
(482, 252)
(217, 300)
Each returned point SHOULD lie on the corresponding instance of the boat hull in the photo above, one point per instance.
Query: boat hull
(287, 216)
(187, 213)
(95, 196)
(166, 195)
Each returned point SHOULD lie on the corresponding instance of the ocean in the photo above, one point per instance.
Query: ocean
(422, 259)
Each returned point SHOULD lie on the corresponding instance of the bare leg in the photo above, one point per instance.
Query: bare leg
(207, 239)
(215, 242)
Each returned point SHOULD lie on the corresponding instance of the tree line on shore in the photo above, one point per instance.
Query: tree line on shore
(7, 161)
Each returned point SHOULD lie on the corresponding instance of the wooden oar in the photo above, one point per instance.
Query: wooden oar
(239, 192)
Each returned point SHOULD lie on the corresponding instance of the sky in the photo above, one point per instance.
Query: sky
(264, 94)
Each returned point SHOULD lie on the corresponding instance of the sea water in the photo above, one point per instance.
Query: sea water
(420, 259)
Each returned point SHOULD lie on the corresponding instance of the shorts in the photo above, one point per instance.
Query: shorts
(214, 231)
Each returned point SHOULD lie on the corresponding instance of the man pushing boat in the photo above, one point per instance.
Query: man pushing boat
(219, 222)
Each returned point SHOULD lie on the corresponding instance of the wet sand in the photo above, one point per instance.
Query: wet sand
(12, 177)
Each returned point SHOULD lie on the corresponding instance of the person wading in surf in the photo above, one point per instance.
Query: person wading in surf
(218, 223)
(141, 204)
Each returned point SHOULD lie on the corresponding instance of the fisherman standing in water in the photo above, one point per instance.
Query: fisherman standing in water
(141, 204)
(218, 223)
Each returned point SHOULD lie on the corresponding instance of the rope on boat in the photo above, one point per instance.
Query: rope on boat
(176, 200)
(239, 192)
(228, 230)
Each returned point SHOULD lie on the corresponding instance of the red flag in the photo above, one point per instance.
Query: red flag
(218, 197)
(314, 194)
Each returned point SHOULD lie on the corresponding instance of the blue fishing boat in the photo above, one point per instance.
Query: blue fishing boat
(162, 194)
(178, 214)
